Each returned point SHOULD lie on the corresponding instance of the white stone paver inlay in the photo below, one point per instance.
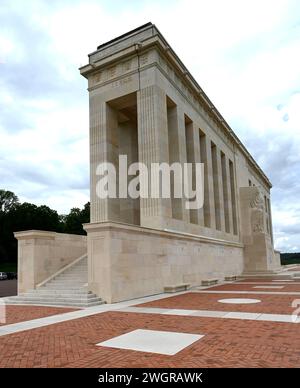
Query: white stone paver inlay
(282, 280)
(237, 315)
(275, 287)
(153, 341)
(239, 300)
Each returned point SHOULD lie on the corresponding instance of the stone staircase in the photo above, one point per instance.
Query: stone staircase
(68, 288)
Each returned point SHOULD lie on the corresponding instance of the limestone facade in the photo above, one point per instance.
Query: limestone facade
(146, 104)
(128, 261)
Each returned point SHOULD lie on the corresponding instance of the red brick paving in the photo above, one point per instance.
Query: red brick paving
(16, 314)
(250, 287)
(227, 343)
(268, 280)
(270, 304)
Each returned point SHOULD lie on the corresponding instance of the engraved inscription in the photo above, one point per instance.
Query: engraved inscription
(127, 65)
(112, 71)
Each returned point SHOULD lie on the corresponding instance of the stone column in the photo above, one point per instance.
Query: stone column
(103, 148)
(210, 184)
(193, 156)
(229, 196)
(178, 154)
(220, 185)
(153, 148)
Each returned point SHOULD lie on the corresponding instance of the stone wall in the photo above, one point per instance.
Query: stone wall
(42, 254)
(126, 262)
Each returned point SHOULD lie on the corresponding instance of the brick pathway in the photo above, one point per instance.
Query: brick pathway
(270, 304)
(16, 314)
(227, 343)
(268, 280)
(287, 287)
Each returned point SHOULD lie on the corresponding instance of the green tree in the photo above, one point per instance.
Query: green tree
(21, 217)
(15, 217)
(8, 200)
(74, 220)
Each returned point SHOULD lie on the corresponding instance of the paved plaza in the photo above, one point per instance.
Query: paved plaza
(188, 329)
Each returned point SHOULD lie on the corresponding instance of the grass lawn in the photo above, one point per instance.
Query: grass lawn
(8, 267)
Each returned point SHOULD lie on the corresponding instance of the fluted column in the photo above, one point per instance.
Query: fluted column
(193, 156)
(221, 190)
(178, 154)
(229, 196)
(210, 181)
(153, 148)
(103, 148)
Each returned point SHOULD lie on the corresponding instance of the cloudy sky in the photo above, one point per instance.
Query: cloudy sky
(245, 55)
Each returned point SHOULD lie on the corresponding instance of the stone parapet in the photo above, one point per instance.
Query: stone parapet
(41, 254)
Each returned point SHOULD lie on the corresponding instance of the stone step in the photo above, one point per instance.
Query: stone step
(63, 287)
(54, 291)
(58, 295)
(90, 298)
(55, 303)
(68, 282)
(77, 268)
(70, 279)
(70, 274)
(69, 288)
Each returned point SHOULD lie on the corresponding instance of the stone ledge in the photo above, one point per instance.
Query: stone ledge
(172, 234)
(209, 282)
(43, 234)
(230, 278)
(176, 288)
(34, 234)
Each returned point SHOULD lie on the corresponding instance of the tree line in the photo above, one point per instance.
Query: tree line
(16, 216)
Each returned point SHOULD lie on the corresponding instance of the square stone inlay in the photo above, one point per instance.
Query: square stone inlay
(153, 341)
